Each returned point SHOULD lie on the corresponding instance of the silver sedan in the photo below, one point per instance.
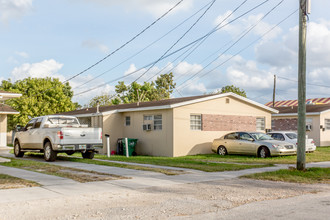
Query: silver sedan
(252, 143)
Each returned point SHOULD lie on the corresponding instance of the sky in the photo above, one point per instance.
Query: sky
(92, 44)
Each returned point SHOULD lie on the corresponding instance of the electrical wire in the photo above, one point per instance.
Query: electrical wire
(199, 44)
(174, 52)
(143, 49)
(129, 41)
(244, 34)
(190, 28)
(311, 84)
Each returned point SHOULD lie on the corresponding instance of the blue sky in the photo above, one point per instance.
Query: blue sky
(64, 37)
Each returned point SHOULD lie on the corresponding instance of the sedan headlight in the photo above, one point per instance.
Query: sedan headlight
(277, 146)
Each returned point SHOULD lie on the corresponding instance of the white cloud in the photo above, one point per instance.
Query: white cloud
(193, 89)
(22, 54)
(184, 68)
(14, 9)
(156, 8)
(223, 19)
(46, 68)
(235, 29)
(94, 44)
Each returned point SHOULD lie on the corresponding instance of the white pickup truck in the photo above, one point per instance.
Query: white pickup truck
(56, 133)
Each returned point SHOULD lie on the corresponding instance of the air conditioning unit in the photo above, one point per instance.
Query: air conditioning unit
(308, 127)
(146, 127)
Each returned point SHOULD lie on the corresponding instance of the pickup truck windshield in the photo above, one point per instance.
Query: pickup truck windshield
(63, 121)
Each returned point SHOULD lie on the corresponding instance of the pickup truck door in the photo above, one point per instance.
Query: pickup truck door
(24, 135)
(35, 135)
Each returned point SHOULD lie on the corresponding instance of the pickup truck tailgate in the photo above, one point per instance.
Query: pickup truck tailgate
(81, 135)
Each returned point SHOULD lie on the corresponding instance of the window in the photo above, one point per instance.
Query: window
(327, 124)
(30, 124)
(309, 123)
(231, 136)
(195, 122)
(127, 120)
(278, 137)
(158, 122)
(85, 121)
(147, 117)
(260, 124)
(38, 123)
(245, 136)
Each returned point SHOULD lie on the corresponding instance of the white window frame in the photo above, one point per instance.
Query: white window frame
(158, 122)
(148, 117)
(196, 122)
(128, 119)
(327, 123)
(260, 123)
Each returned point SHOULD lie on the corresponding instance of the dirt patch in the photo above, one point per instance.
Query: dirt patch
(10, 182)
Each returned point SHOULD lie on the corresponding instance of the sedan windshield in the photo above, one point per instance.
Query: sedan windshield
(291, 135)
(261, 136)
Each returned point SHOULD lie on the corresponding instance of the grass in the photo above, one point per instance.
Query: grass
(310, 176)
(179, 162)
(51, 169)
(10, 182)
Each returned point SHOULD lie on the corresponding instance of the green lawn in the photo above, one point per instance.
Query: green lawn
(311, 175)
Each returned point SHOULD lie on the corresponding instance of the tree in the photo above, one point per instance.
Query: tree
(40, 96)
(233, 89)
(161, 89)
(103, 100)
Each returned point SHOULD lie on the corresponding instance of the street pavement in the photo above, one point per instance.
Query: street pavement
(57, 187)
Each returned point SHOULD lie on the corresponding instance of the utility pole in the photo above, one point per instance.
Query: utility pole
(304, 7)
(274, 90)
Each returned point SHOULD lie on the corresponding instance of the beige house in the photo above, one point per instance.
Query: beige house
(4, 111)
(179, 126)
(317, 121)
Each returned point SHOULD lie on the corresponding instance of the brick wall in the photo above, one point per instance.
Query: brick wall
(228, 123)
(287, 124)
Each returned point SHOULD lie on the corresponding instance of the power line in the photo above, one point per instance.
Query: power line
(191, 27)
(122, 46)
(200, 43)
(174, 52)
(236, 43)
(143, 49)
(311, 84)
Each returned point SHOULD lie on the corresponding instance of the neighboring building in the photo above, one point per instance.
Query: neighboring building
(4, 111)
(286, 103)
(317, 122)
(179, 126)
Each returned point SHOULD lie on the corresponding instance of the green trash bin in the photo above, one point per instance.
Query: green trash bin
(131, 146)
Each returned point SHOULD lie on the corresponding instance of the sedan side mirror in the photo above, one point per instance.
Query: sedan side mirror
(250, 139)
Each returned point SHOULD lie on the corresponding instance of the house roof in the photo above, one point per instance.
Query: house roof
(310, 109)
(5, 109)
(4, 95)
(295, 102)
(163, 104)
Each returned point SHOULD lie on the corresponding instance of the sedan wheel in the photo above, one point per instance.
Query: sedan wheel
(264, 152)
(222, 151)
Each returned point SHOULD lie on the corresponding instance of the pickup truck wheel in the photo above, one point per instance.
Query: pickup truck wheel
(49, 154)
(17, 150)
(88, 154)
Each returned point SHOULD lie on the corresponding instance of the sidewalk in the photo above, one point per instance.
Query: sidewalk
(53, 186)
